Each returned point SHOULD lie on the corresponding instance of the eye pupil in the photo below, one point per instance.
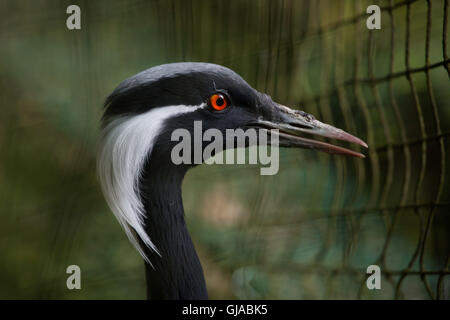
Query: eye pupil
(218, 102)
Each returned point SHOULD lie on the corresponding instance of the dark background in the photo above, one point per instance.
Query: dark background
(308, 232)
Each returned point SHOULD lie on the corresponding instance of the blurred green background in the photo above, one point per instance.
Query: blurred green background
(308, 232)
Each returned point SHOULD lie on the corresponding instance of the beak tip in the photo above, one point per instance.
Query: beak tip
(356, 155)
(358, 141)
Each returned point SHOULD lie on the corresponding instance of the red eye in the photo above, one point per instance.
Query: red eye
(218, 101)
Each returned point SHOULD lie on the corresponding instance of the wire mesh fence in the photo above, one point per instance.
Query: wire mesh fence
(389, 86)
(310, 231)
(408, 158)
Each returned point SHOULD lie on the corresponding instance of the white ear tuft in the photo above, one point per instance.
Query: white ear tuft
(125, 144)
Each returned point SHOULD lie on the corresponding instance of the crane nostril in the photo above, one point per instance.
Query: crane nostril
(307, 116)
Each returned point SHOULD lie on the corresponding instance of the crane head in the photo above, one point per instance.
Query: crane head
(175, 96)
(144, 110)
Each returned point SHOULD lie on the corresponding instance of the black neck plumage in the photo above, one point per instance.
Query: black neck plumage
(177, 273)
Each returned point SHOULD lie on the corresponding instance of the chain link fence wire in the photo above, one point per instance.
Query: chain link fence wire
(409, 158)
(414, 154)
(389, 86)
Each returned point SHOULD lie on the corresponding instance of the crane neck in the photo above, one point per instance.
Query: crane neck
(177, 273)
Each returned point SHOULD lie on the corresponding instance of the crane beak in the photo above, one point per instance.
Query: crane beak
(292, 123)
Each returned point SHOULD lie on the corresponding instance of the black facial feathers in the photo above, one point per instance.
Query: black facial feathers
(185, 83)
